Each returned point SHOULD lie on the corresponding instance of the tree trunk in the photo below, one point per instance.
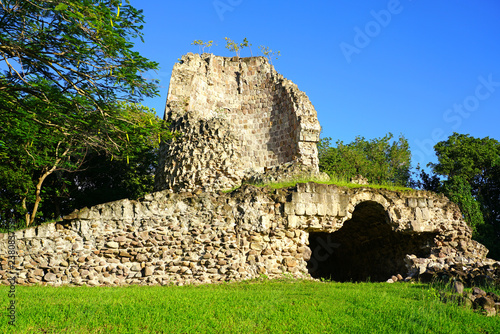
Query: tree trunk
(27, 215)
(38, 198)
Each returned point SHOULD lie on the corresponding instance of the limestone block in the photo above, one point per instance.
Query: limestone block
(148, 271)
(422, 203)
(300, 209)
(107, 212)
(50, 277)
(30, 233)
(418, 214)
(292, 221)
(342, 207)
(322, 209)
(289, 208)
(426, 214)
(306, 198)
(302, 187)
(46, 230)
(112, 244)
(256, 246)
(419, 226)
(128, 209)
(331, 208)
(412, 202)
(311, 209)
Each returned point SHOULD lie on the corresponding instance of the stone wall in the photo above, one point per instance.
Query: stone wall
(307, 230)
(236, 117)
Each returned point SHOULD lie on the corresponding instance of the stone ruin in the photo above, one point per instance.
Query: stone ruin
(237, 119)
(241, 120)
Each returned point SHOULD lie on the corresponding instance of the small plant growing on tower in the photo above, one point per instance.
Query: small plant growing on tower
(235, 47)
(202, 45)
(269, 53)
(232, 46)
(247, 44)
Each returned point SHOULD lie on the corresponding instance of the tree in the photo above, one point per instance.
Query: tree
(458, 190)
(235, 47)
(38, 155)
(426, 181)
(270, 54)
(202, 45)
(65, 65)
(379, 160)
(467, 157)
(471, 167)
(103, 178)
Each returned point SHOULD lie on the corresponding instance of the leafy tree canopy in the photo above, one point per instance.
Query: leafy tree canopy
(80, 48)
(65, 67)
(472, 170)
(468, 157)
(380, 160)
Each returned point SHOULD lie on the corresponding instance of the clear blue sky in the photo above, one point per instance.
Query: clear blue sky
(419, 68)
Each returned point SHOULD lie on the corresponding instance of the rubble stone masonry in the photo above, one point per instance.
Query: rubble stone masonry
(235, 117)
(169, 238)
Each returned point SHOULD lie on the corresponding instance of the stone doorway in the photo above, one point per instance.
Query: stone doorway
(365, 248)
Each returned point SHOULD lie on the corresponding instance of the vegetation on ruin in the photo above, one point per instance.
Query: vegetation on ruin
(381, 160)
(270, 54)
(467, 172)
(333, 180)
(69, 83)
(202, 45)
(256, 306)
(237, 47)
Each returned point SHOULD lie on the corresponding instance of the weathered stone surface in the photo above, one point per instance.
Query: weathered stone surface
(50, 277)
(148, 271)
(112, 244)
(212, 237)
(239, 119)
(458, 287)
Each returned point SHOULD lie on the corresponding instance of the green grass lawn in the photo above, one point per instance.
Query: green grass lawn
(276, 306)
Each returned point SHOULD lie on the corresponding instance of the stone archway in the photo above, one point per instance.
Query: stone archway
(365, 248)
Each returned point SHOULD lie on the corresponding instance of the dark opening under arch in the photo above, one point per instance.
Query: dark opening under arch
(365, 248)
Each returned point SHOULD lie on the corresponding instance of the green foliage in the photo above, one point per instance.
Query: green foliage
(73, 173)
(81, 48)
(379, 160)
(270, 54)
(202, 45)
(246, 44)
(472, 168)
(459, 191)
(426, 181)
(104, 177)
(468, 157)
(235, 47)
(335, 181)
(66, 64)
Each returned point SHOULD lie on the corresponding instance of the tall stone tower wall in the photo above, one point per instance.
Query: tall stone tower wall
(235, 117)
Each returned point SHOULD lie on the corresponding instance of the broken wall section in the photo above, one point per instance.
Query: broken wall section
(168, 238)
(248, 116)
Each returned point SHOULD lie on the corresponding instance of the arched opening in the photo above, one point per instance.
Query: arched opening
(365, 248)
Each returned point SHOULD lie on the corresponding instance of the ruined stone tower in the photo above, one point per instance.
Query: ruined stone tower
(236, 118)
